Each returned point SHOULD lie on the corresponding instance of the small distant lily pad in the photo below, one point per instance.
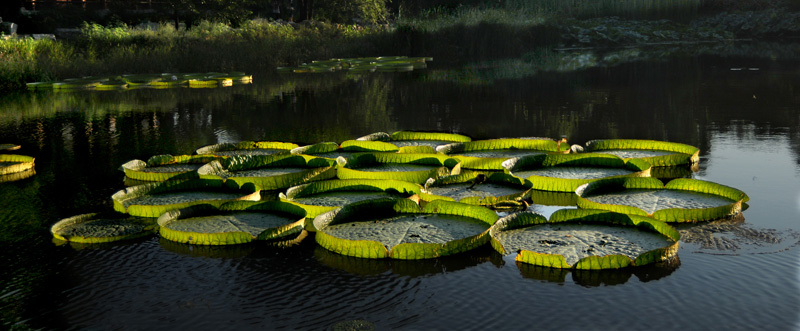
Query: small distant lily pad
(399, 229)
(152, 200)
(410, 167)
(232, 223)
(10, 163)
(247, 148)
(9, 147)
(565, 172)
(165, 167)
(657, 153)
(584, 239)
(98, 228)
(680, 200)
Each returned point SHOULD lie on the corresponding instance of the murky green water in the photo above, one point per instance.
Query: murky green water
(746, 123)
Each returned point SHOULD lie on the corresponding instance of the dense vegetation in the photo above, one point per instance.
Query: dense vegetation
(245, 35)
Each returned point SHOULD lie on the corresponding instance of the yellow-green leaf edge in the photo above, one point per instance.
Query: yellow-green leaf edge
(672, 215)
(686, 154)
(406, 251)
(639, 168)
(172, 186)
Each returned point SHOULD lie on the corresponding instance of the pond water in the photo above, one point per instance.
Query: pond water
(745, 122)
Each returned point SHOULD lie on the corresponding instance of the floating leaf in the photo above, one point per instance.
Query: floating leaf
(152, 200)
(584, 239)
(232, 223)
(399, 229)
(680, 200)
(247, 148)
(565, 172)
(98, 228)
(268, 172)
(410, 167)
(165, 167)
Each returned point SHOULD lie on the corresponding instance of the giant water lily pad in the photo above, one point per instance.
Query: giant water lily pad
(323, 196)
(494, 190)
(152, 200)
(165, 167)
(680, 200)
(247, 148)
(410, 167)
(98, 228)
(15, 176)
(161, 80)
(399, 229)
(10, 163)
(268, 172)
(565, 172)
(584, 239)
(490, 154)
(346, 149)
(417, 141)
(657, 153)
(236, 222)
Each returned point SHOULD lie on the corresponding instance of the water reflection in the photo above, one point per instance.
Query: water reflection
(593, 278)
(411, 268)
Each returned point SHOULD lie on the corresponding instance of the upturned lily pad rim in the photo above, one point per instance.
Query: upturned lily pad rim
(587, 216)
(522, 143)
(316, 168)
(415, 135)
(280, 233)
(499, 178)
(191, 185)
(348, 168)
(347, 185)
(671, 214)
(137, 169)
(639, 168)
(9, 147)
(692, 153)
(370, 209)
(245, 145)
(57, 228)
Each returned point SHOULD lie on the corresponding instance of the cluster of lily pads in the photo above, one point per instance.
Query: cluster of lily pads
(362, 64)
(15, 167)
(421, 195)
(163, 80)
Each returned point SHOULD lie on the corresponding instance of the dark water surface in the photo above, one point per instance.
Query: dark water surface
(745, 121)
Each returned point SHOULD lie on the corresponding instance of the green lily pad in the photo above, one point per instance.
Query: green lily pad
(10, 163)
(232, 223)
(399, 229)
(493, 190)
(565, 172)
(152, 200)
(247, 148)
(268, 172)
(584, 239)
(166, 167)
(490, 154)
(410, 167)
(323, 196)
(98, 228)
(680, 200)
(657, 153)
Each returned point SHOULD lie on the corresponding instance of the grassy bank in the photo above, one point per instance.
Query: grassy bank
(461, 34)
